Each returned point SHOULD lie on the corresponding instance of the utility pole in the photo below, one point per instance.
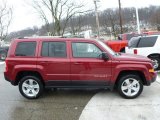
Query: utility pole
(97, 19)
(120, 16)
(137, 17)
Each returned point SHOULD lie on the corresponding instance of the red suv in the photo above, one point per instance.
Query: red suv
(37, 63)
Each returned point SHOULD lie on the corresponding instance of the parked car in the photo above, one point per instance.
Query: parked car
(120, 44)
(3, 52)
(37, 63)
(148, 46)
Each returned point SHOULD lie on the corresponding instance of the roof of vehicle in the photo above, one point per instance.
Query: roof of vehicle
(149, 35)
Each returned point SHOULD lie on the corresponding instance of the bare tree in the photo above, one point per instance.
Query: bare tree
(53, 11)
(155, 18)
(5, 19)
(109, 18)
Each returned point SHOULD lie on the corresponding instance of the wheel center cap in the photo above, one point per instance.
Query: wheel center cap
(130, 87)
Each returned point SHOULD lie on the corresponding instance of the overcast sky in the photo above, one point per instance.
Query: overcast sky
(25, 17)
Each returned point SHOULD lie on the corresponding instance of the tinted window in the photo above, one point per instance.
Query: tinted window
(147, 41)
(45, 49)
(133, 42)
(25, 49)
(85, 50)
(54, 49)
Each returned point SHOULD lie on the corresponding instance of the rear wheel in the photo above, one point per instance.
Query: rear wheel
(30, 87)
(3, 56)
(130, 86)
(122, 50)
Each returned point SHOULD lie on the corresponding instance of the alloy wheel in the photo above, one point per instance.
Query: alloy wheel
(130, 87)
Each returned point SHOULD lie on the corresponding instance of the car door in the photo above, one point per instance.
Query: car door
(87, 67)
(55, 63)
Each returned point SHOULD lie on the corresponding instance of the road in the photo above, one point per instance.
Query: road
(67, 104)
(59, 105)
(109, 106)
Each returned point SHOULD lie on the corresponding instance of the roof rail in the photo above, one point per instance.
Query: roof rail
(46, 37)
(42, 37)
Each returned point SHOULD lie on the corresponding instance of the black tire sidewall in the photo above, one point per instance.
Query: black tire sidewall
(37, 80)
(123, 78)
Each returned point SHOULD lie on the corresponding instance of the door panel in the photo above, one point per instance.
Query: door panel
(55, 63)
(90, 69)
(56, 69)
(87, 66)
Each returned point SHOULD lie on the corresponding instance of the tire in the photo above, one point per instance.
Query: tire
(122, 50)
(130, 86)
(30, 87)
(3, 56)
(157, 63)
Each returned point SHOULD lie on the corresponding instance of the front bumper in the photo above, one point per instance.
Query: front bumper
(152, 80)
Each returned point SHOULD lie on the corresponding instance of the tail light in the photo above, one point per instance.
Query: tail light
(135, 51)
(6, 68)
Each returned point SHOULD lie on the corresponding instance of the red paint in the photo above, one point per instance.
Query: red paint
(117, 45)
(135, 51)
(120, 44)
(71, 68)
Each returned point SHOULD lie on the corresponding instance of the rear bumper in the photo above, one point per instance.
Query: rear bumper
(7, 79)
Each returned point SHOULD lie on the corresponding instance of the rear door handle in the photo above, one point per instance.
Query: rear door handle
(44, 62)
(78, 63)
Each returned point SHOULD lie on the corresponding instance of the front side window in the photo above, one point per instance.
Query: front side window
(25, 49)
(54, 49)
(85, 50)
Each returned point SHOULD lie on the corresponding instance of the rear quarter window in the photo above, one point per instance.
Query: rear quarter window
(25, 49)
(133, 42)
(147, 41)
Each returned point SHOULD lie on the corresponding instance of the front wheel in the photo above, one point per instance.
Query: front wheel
(30, 87)
(130, 86)
(156, 62)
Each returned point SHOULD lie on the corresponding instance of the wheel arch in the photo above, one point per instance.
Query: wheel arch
(154, 55)
(21, 74)
(133, 72)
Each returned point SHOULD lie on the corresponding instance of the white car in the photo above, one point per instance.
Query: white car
(148, 46)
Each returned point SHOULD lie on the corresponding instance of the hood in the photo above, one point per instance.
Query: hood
(132, 57)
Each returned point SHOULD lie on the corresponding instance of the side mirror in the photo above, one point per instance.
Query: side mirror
(104, 56)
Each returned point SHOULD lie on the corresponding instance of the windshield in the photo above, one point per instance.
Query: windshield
(107, 48)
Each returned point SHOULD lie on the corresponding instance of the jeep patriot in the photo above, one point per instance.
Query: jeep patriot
(37, 63)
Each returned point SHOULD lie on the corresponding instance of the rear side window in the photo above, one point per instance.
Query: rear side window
(147, 41)
(54, 49)
(25, 49)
